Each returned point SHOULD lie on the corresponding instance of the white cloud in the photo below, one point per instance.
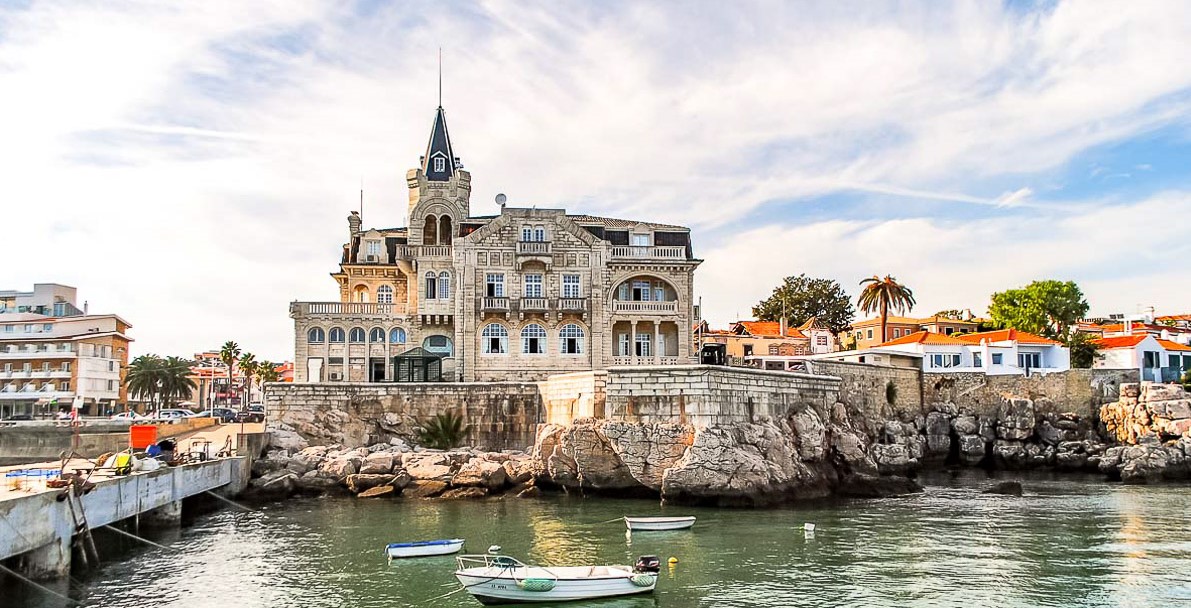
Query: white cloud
(1120, 255)
(191, 169)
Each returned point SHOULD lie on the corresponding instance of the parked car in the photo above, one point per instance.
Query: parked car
(18, 417)
(222, 414)
(126, 416)
(254, 413)
(173, 414)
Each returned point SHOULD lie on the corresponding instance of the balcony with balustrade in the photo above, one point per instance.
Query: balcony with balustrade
(494, 304)
(535, 304)
(345, 309)
(534, 248)
(664, 253)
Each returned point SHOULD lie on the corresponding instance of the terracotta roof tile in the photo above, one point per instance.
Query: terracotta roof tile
(1006, 335)
(1120, 341)
(773, 329)
(924, 337)
(1169, 345)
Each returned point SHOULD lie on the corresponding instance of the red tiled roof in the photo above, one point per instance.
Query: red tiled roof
(1174, 318)
(1120, 341)
(762, 329)
(924, 337)
(1168, 345)
(1139, 326)
(1007, 335)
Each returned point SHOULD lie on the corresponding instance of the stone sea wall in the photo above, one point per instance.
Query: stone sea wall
(1078, 391)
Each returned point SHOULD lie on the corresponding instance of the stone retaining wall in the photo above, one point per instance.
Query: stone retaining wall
(570, 396)
(865, 387)
(1079, 391)
(703, 395)
(502, 415)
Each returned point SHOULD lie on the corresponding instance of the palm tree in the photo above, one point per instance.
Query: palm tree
(228, 355)
(443, 431)
(266, 371)
(883, 294)
(176, 382)
(248, 366)
(144, 378)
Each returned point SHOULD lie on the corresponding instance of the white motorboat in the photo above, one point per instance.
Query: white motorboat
(499, 579)
(424, 548)
(638, 524)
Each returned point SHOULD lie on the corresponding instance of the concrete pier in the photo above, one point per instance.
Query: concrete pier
(38, 527)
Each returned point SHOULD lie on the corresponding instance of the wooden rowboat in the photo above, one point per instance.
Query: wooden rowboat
(424, 548)
(498, 579)
(658, 523)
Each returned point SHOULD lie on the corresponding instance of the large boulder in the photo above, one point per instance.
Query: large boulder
(420, 488)
(283, 437)
(276, 484)
(463, 493)
(481, 473)
(366, 481)
(965, 424)
(938, 433)
(893, 458)
(519, 470)
(1015, 419)
(428, 466)
(340, 467)
(971, 449)
(380, 463)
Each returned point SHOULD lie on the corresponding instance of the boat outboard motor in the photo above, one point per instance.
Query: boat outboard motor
(648, 563)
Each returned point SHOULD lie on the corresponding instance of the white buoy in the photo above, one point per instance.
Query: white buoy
(494, 549)
(809, 527)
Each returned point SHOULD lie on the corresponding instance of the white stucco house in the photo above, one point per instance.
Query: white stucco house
(1002, 352)
(1156, 359)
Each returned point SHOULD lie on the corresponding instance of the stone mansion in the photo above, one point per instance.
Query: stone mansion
(517, 296)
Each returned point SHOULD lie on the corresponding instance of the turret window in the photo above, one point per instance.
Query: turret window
(440, 164)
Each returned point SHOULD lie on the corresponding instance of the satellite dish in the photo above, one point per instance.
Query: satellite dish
(500, 199)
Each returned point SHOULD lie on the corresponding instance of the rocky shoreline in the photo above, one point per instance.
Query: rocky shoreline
(811, 453)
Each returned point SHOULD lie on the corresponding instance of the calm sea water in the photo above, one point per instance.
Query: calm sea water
(1069, 542)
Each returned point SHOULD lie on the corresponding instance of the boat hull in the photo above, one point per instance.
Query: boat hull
(491, 587)
(647, 524)
(423, 549)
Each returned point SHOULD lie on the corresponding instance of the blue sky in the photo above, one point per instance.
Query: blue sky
(190, 167)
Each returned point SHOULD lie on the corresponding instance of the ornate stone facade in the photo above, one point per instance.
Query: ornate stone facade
(516, 296)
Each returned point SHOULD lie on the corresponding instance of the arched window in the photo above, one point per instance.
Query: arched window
(316, 335)
(430, 231)
(570, 339)
(431, 285)
(361, 293)
(397, 335)
(495, 339)
(444, 230)
(356, 335)
(444, 285)
(533, 339)
(377, 335)
(337, 335)
(438, 344)
(384, 294)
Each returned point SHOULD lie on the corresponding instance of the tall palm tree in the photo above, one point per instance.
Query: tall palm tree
(228, 355)
(248, 367)
(883, 294)
(144, 378)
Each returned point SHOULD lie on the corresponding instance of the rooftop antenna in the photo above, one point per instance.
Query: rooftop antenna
(361, 197)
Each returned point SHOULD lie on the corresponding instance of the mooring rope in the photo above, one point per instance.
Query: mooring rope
(37, 585)
(131, 535)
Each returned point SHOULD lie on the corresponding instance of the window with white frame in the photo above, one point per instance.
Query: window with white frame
(337, 335)
(977, 360)
(440, 164)
(659, 291)
(384, 294)
(494, 285)
(570, 286)
(377, 335)
(870, 334)
(444, 285)
(539, 233)
(643, 344)
(316, 335)
(641, 240)
(997, 358)
(397, 336)
(944, 360)
(1029, 360)
(533, 339)
(641, 291)
(624, 343)
(438, 344)
(897, 333)
(431, 285)
(65, 366)
(495, 339)
(373, 249)
(570, 339)
(356, 335)
(821, 340)
(526, 234)
(533, 285)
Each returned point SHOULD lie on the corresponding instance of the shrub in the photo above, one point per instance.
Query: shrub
(443, 431)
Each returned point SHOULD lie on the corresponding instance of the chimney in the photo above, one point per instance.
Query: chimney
(86, 306)
(353, 223)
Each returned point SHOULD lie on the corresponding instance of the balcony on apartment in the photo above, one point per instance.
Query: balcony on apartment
(649, 252)
(335, 309)
(494, 304)
(534, 248)
(645, 295)
(39, 351)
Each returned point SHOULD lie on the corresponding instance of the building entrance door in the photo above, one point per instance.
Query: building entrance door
(376, 370)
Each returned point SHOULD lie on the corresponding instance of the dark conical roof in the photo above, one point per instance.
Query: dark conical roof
(439, 147)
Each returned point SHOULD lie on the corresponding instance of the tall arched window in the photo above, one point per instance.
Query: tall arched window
(316, 335)
(570, 339)
(377, 335)
(384, 294)
(430, 231)
(533, 339)
(361, 293)
(397, 335)
(444, 230)
(438, 344)
(356, 335)
(495, 339)
(337, 335)
(431, 285)
(444, 285)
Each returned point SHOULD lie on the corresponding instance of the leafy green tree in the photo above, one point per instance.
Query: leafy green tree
(1084, 351)
(953, 314)
(1049, 308)
(443, 431)
(228, 353)
(800, 298)
(882, 295)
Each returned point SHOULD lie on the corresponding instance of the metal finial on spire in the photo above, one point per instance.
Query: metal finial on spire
(440, 76)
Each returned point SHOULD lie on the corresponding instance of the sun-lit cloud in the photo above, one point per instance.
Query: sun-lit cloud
(190, 166)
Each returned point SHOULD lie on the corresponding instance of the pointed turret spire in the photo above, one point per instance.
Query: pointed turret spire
(439, 163)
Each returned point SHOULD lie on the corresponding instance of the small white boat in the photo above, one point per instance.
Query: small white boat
(424, 548)
(499, 579)
(659, 523)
